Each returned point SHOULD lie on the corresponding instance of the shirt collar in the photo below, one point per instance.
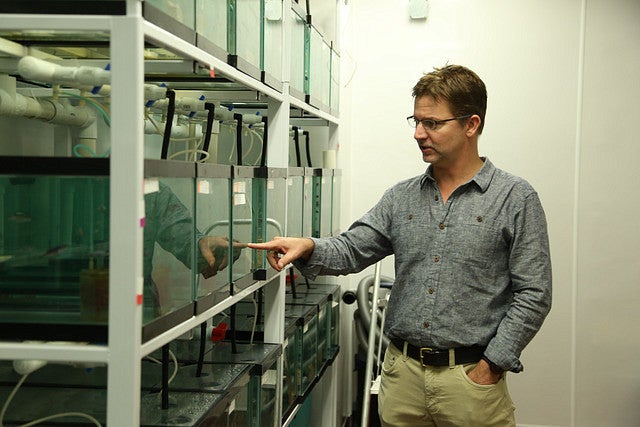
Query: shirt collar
(482, 178)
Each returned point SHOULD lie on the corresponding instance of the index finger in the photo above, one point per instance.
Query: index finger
(266, 245)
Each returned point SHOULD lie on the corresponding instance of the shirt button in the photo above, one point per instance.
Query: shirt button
(431, 290)
(436, 258)
(410, 216)
(437, 198)
(479, 219)
(425, 324)
(441, 226)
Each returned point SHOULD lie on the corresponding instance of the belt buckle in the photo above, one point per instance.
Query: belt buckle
(422, 351)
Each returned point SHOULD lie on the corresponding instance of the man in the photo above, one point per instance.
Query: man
(473, 272)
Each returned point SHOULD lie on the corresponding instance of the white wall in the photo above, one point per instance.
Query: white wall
(562, 78)
(608, 271)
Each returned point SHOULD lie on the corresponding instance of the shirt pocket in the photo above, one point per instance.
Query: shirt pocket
(412, 235)
(473, 241)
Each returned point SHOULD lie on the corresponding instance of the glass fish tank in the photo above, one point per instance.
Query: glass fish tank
(189, 409)
(292, 368)
(176, 16)
(308, 202)
(245, 36)
(171, 258)
(211, 27)
(298, 51)
(54, 248)
(249, 334)
(336, 192)
(220, 364)
(321, 303)
(275, 181)
(258, 214)
(334, 86)
(322, 199)
(52, 400)
(319, 72)
(264, 385)
(306, 319)
(332, 310)
(271, 49)
(214, 233)
(295, 204)
(229, 381)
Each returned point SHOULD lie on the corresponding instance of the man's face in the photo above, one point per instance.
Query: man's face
(444, 144)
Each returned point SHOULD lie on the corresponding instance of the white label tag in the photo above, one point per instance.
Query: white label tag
(151, 185)
(204, 187)
(239, 187)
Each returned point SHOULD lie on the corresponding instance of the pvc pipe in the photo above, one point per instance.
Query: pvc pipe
(92, 79)
(98, 79)
(46, 110)
(224, 114)
(32, 68)
(177, 130)
(65, 114)
(151, 92)
(87, 139)
(183, 104)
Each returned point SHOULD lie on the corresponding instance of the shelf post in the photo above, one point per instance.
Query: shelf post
(127, 220)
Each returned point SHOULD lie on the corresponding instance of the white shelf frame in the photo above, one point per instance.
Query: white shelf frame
(125, 350)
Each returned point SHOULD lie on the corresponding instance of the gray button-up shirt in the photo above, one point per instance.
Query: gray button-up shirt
(475, 270)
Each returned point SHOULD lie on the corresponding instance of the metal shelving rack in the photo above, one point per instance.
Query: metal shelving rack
(127, 36)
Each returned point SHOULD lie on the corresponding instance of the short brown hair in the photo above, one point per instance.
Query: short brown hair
(459, 87)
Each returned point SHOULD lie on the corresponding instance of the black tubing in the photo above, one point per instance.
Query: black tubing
(203, 342)
(265, 139)
(292, 281)
(207, 135)
(238, 117)
(165, 377)
(306, 144)
(296, 141)
(171, 110)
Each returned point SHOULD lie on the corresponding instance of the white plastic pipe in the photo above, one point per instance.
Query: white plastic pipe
(224, 114)
(177, 130)
(183, 104)
(82, 77)
(46, 109)
(87, 141)
(32, 68)
(151, 92)
(186, 105)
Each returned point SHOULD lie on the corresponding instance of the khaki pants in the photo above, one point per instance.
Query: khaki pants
(413, 395)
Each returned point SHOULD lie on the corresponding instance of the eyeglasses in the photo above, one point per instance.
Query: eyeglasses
(430, 124)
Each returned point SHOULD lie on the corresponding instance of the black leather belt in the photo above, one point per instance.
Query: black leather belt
(437, 357)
